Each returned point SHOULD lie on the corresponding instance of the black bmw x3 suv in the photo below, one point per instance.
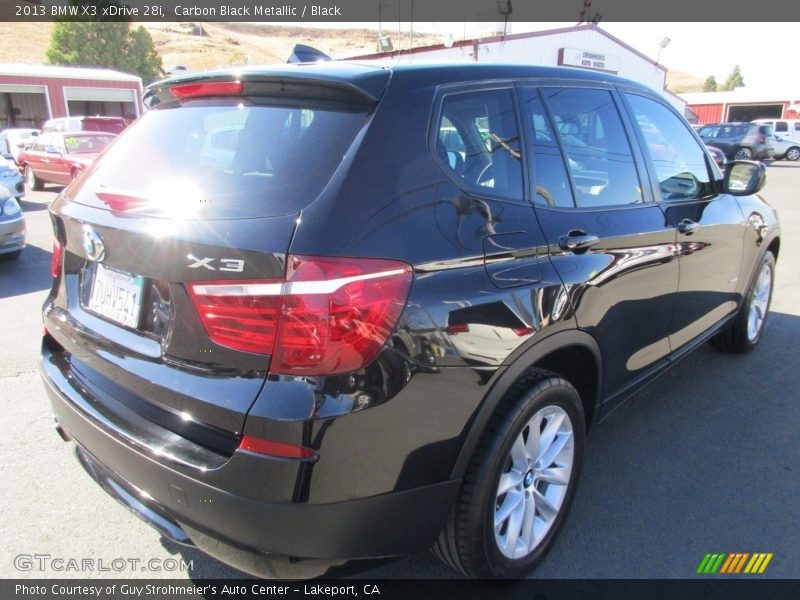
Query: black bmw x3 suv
(322, 312)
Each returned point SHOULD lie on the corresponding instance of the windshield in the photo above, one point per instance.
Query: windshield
(226, 160)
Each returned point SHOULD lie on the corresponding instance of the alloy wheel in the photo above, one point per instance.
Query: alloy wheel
(759, 302)
(532, 488)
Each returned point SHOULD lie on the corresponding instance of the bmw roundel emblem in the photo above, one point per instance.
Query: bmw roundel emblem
(93, 244)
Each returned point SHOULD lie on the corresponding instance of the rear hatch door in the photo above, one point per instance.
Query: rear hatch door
(169, 239)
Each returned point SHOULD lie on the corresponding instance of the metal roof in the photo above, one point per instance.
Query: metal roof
(742, 95)
(66, 72)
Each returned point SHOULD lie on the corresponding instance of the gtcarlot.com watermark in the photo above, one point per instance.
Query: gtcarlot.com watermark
(60, 564)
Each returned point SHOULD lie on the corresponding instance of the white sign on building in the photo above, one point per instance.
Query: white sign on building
(574, 57)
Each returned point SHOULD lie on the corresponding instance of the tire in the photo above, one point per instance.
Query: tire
(32, 181)
(748, 325)
(530, 507)
(743, 154)
(792, 153)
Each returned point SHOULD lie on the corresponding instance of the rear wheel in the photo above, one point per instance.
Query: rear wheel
(520, 483)
(792, 153)
(31, 180)
(743, 154)
(748, 326)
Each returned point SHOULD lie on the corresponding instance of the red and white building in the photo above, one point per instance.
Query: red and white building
(743, 104)
(31, 94)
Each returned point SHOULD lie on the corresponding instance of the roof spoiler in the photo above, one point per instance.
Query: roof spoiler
(304, 54)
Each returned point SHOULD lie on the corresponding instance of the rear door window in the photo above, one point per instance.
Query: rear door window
(598, 152)
(551, 185)
(211, 159)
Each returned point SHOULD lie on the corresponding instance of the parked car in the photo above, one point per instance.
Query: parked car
(10, 178)
(12, 226)
(785, 128)
(786, 149)
(114, 125)
(740, 141)
(12, 141)
(220, 342)
(61, 157)
(719, 157)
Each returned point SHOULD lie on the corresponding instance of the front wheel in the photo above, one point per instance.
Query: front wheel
(792, 153)
(743, 154)
(748, 326)
(520, 482)
(32, 181)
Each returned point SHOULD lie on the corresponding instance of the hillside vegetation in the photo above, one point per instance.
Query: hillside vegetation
(212, 45)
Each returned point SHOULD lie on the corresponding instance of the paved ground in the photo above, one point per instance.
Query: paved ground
(703, 461)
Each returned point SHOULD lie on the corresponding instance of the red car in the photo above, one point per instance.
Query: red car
(60, 157)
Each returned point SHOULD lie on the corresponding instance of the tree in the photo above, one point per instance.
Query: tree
(111, 45)
(711, 84)
(141, 50)
(734, 80)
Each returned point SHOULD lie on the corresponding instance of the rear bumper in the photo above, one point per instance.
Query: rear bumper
(12, 234)
(249, 534)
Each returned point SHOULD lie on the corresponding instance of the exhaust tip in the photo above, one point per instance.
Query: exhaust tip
(62, 432)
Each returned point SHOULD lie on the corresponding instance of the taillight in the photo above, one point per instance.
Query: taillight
(458, 328)
(55, 260)
(761, 138)
(330, 315)
(239, 314)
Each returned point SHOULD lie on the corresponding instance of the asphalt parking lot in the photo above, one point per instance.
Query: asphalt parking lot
(704, 461)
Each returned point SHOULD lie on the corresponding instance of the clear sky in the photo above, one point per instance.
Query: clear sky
(762, 50)
(766, 52)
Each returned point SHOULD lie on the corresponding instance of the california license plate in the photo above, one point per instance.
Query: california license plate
(116, 296)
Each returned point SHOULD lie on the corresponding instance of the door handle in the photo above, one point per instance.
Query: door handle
(687, 227)
(577, 240)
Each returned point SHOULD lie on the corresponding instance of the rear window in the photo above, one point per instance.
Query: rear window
(86, 144)
(203, 160)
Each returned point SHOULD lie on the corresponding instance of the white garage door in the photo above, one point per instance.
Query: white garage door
(23, 105)
(112, 102)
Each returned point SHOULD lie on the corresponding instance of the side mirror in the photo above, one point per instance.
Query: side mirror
(744, 177)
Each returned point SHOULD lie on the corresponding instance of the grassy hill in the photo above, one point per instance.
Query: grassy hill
(212, 45)
(678, 82)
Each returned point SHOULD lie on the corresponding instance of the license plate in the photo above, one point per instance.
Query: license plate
(116, 296)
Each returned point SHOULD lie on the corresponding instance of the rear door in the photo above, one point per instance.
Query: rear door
(37, 155)
(607, 236)
(709, 226)
(59, 164)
